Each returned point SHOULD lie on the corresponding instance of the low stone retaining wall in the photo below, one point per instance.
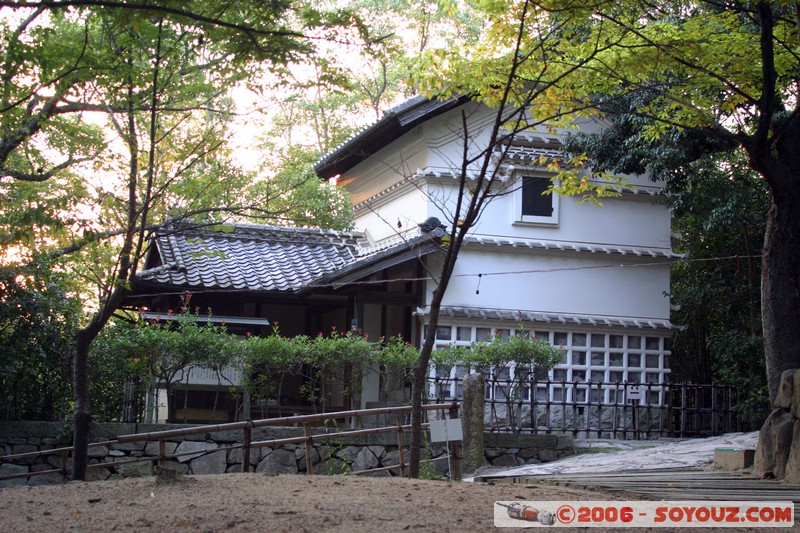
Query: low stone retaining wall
(337, 455)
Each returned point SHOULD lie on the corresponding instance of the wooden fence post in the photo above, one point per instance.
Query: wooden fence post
(402, 455)
(455, 449)
(63, 466)
(309, 449)
(162, 452)
(246, 440)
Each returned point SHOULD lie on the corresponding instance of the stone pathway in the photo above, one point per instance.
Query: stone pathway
(620, 456)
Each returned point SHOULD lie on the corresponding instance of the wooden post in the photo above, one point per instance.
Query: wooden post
(63, 466)
(600, 398)
(309, 450)
(683, 411)
(472, 422)
(246, 404)
(162, 451)
(402, 455)
(246, 439)
(455, 450)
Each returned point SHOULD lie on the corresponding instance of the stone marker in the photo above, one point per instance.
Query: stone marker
(472, 422)
(733, 458)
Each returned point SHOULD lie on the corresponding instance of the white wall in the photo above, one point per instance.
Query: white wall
(381, 222)
(639, 221)
(631, 220)
(558, 283)
(566, 282)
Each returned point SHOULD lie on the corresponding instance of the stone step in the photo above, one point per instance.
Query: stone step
(734, 458)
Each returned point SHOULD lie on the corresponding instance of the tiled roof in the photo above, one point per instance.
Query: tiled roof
(250, 257)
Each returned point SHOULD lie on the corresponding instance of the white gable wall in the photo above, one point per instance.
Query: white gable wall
(387, 168)
(382, 188)
(629, 220)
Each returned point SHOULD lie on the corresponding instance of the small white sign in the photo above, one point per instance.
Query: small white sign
(446, 430)
(634, 392)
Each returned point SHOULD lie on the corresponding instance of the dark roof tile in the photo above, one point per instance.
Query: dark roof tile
(251, 257)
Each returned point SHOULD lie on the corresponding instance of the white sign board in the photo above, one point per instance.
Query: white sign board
(634, 392)
(446, 430)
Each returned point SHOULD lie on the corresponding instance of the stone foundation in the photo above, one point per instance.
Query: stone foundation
(338, 455)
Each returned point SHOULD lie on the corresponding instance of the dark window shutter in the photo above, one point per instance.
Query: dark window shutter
(533, 203)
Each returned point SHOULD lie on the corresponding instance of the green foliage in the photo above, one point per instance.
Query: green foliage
(37, 321)
(153, 350)
(332, 447)
(326, 356)
(720, 211)
(738, 359)
(264, 359)
(118, 117)
(161, 351)
(527, 353)
(35, 216)
(394, 352)
(321, 359)
(324, 359)
(521, 349)
(295, 196)
(110, 370)
(427, 470)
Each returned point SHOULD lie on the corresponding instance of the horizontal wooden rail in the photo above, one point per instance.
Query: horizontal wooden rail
(246, 426)
(322, 436)
(393, 467)
(278, 442)
(287, 420)
(51, 451)
(32, 474)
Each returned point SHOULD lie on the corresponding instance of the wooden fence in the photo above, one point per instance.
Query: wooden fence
(246, 427)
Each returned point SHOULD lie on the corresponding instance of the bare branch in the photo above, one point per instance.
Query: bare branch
(44, 176)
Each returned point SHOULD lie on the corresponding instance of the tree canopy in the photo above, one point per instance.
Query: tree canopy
(723, 73)
(123, 113)
(115, 117)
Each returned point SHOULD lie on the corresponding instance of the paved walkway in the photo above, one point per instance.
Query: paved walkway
(621, 456)
(660, 470)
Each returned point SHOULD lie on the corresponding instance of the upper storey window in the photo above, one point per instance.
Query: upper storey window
(532, 205)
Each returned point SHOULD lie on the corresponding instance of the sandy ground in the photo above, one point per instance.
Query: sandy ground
(256, 502)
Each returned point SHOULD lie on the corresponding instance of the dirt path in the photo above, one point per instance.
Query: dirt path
(259, 503)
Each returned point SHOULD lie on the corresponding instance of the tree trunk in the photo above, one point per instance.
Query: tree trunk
(780, 283)
(419, 382)
(80, 381)
(420, 374)
(82, 418)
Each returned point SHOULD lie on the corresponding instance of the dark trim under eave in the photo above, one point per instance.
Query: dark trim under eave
(389, 259)
(395, 123)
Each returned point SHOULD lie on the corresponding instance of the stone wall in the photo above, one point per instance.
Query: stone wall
(778, 449)
(339, 454)
(607, 421)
